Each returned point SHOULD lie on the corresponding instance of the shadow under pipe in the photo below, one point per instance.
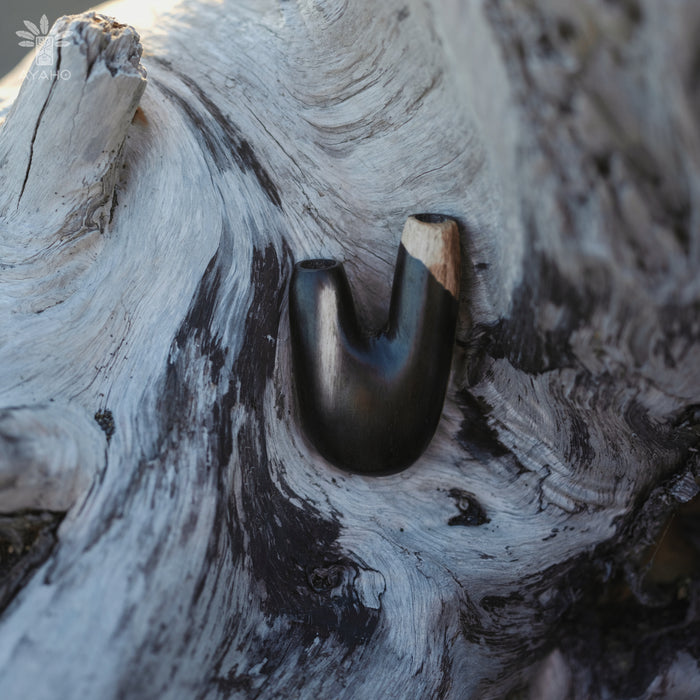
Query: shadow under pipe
(370, 403)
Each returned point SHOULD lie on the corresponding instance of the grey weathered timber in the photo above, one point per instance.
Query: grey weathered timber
(166, 531)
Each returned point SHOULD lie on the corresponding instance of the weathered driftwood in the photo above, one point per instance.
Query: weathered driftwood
(189, 542)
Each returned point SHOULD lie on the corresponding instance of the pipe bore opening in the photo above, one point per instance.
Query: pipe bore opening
(320, 264)
(430, 218)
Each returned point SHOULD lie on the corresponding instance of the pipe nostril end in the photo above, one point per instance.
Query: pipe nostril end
(318, 264)
(433, 239)
(430, 218)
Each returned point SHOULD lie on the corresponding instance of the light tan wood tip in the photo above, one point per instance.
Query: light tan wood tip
(434, 240)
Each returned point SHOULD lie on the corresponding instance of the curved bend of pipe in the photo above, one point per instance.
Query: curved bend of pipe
(370, 403)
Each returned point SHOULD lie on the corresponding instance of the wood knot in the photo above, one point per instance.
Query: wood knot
(471, 513)
(325, 578)
(105, 420)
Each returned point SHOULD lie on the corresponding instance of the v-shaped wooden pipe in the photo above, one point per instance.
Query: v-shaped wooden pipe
(370, 402)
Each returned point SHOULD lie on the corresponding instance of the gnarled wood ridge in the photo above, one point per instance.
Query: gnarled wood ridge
(166, 529)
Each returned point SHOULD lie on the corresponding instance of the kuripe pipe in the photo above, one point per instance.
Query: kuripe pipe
(370, 402)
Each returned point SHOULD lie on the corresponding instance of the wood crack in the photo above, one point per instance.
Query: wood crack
(38, 122)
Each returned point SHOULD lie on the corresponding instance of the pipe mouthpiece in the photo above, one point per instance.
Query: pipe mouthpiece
(434, 240)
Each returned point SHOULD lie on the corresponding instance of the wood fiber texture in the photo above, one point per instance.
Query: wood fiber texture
(181, 537)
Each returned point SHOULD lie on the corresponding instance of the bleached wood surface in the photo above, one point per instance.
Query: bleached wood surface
(206, 550)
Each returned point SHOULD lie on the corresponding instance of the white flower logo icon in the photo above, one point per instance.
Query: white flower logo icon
(38, 38)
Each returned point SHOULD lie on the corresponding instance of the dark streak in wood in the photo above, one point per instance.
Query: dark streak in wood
(217, 135)
(475, 434)
(26, 541)
(520, 338)
(287, 541)
(198, 321)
